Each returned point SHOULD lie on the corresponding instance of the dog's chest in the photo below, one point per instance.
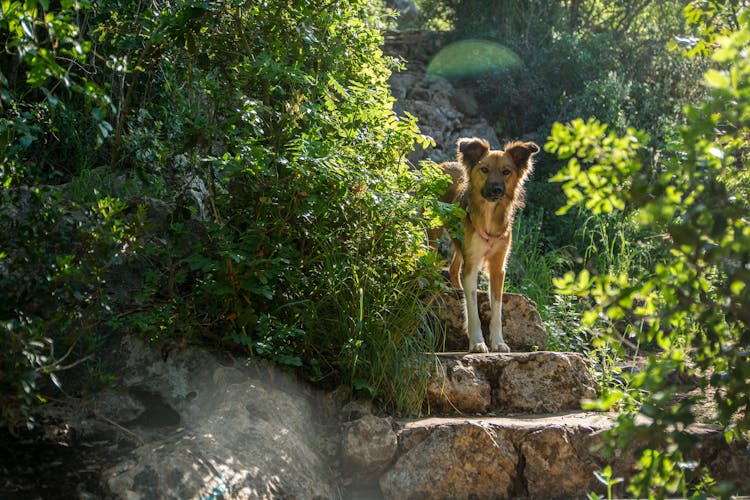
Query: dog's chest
(477, 247)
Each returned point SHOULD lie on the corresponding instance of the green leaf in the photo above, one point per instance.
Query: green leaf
(717, 79)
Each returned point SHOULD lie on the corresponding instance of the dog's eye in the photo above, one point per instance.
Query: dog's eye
(485, 170)
(506, 173)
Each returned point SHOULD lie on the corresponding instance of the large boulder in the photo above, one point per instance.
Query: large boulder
(494, 458)
(209, 428)
(468, 461)
(532, 382)
(522, 325)
(551, 456)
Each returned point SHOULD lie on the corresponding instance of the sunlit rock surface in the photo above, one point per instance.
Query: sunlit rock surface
(212, 428)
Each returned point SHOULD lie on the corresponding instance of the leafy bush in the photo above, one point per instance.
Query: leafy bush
(287, 227)
(315, 252)
(694, 301)
(54, 259)
(54, 250)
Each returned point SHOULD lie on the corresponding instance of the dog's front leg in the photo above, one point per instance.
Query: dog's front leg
(455, 269)
(497, 282)
(474, 326)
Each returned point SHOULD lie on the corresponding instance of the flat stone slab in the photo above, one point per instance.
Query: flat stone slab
(551, 456)
(522, 325)
(501, 383)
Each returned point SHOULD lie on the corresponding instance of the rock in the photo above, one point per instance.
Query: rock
(534, 382)
(468, 461)
(458, 387)
(545, 382)
(528, 454)
(428, 448)
(213, 428)
(402, 84)
(466, 104)
(552, 456)
(553, 466)
(355, 409)
(522, 324)
(333, 403)
(443, 112)
(368, 446)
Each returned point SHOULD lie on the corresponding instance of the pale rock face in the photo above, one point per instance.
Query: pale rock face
(211, 427)
(470, 461)
(522, 325)
(532, 382)
(368, 445)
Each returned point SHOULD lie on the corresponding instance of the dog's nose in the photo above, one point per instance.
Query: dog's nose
(497, 188)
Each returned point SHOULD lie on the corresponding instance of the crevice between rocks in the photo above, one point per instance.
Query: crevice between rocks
(520, 484)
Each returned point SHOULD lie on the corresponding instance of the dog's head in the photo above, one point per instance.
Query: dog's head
(497, 174)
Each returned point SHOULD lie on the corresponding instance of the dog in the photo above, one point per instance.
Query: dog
(489, 185)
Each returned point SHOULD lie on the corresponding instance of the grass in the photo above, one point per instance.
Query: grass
(531, 267)
(605, 245)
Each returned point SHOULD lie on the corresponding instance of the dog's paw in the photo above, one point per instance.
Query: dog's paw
(500, 347)
(479, 347)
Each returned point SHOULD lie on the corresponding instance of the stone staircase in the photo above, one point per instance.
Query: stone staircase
(510, 425)
(197, 424)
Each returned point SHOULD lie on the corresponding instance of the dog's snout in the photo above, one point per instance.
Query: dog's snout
(493, 191)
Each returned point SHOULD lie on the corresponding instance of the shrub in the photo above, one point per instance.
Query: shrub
(290, 229)
(54, 259)
(54, 251)
(693, 302)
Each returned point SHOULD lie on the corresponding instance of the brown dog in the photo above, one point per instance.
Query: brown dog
(489, 186)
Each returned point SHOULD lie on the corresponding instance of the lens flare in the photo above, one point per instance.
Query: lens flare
(472, 58)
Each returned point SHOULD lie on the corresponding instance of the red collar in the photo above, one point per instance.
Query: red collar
(491, 240)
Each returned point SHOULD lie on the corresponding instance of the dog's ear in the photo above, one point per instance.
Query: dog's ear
(520, 152)
(471, 150)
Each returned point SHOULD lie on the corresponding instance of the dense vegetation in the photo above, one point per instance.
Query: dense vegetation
(216, 171)
(232, 173)
(648, 107)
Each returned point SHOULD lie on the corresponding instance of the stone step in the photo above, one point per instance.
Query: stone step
(551, 456)
(502, 383)
(522, 325)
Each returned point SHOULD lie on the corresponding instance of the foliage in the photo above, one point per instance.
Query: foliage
(693, 301)
(607, 60)
(54, 250)
(315, 254)
(286, 225)
(605, 477)
(53, 271)
(530, 267)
